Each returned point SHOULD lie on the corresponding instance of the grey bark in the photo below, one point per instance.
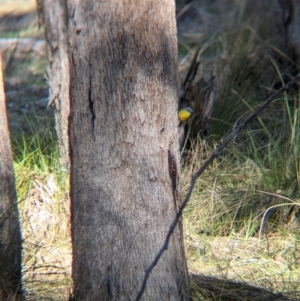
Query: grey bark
(52, 13)
(10, 236)
(294, 30)
(290, 17)
(124, 149)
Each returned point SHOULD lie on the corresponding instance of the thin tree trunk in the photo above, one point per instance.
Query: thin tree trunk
(52, 13)
(124, 149)
(295, 28)
(290, 17)
(10, 236)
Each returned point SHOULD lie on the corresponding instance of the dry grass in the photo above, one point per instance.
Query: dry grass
(222, 223)
(47, 245)
(45, 221)
(270, 263)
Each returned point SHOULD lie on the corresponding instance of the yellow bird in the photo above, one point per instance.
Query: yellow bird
(185, 114)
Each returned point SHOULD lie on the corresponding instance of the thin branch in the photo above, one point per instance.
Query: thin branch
(214, 155)
(192, 71)
(265, 217)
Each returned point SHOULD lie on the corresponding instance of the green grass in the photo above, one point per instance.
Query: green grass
(42, 188)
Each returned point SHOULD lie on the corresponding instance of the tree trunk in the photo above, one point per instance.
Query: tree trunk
(10, 236)
(294, 29)
(52, 13)
(124, 149)
(290, 17)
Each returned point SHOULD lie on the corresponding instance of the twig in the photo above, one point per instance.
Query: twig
(265, 217)
(214, 155)
(192, 71)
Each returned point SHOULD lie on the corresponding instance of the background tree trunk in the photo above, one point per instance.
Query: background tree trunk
(294, 30)
(290, 17)
(124, 149)
(10, 236)
(52, 13)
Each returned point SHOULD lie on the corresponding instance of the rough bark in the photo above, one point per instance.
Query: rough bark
(52, 13)
(124, 149)
(10, 236)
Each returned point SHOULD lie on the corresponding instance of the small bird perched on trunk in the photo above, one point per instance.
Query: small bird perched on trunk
(184, 114)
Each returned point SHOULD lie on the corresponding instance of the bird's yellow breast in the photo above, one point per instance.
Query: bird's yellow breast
(184, 114)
